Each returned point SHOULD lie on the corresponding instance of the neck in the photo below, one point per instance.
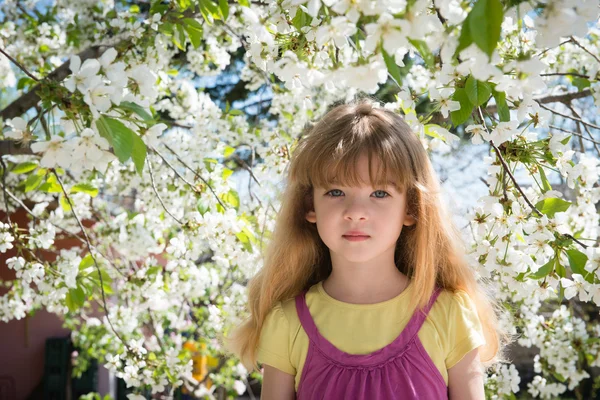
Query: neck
(362, 284)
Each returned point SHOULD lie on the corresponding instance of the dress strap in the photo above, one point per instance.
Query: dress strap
(411, 329)
(419, 316)
(304, 315)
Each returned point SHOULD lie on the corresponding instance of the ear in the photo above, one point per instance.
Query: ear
(311, 215)
(409, 220)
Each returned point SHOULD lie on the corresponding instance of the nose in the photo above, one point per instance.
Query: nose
(355, 211)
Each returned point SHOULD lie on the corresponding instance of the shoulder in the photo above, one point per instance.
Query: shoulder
(288, 310)
(452, 308)
(453, 299)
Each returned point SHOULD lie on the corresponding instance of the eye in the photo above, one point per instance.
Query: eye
(332, 191)
(383, 194)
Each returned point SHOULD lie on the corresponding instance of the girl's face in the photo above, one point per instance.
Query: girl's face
(378, 213)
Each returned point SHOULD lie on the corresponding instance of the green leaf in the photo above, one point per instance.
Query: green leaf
(208, 163)
(51, 185)
(179, 38)
(429, 130)
(466, 107)
(207, 7)
(558, 376)
(579, 82)
(118, 135)
(228, 151)
(75, 298)
(424, 51)
(138, 154)
(64, 203)
(485, 24)
(136, 108)
(577, 261)
(465, 38)
(245, 241)
(223, 9)
(552, 205)
(166, 29)
(544, 269)
(194, 30)
(33, 181)
(301, 19)
(86, 262)
(157, 7)
(226, 173)
(560, 270)
(501, 106)
(154, 270)
(86, 188)
(231, 198)
(202, 208)
(545, 184)
(24, 167)
(244, 3)
(478, 92)
(392, 67)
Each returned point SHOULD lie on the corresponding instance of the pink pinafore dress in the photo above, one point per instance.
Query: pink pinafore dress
(400, 370)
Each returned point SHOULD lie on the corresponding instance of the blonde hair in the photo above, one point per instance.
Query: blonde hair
(429, 252)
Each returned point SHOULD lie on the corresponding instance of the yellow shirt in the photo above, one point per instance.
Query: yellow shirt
(451, 330)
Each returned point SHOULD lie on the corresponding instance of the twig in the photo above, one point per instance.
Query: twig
(4, 172)
(573, 133)
(154, 330)
(156, 191)
(571, 237)
(570, 106)
(195, 173)
(573, 40)
(89, 246)
(29, 99)
(506, 168)
(550, 48)
(566, 74)
(19, 202)
(191, 185)
(569, 117)
(22, 68)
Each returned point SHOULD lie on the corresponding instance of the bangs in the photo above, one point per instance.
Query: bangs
(332, 153)
(341, 170)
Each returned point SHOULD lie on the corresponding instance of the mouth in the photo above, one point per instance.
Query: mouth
(356, 238)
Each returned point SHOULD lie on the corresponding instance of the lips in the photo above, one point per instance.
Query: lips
(355, 234)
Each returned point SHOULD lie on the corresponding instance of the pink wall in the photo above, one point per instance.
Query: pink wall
(22, 343)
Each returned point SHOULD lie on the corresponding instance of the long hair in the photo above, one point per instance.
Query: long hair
(431, 252)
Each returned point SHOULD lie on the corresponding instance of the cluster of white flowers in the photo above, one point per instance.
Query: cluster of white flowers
(6, 237)
(170, 272)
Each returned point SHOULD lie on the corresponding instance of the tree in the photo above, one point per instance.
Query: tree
(115, 118)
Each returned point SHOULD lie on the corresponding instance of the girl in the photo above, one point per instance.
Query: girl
(365, 293)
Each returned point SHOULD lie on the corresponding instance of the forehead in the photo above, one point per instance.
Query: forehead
(362, 173)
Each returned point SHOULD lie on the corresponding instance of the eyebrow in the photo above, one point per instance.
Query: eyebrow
(390, 183)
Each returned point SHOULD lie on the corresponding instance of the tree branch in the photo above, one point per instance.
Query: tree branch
(22, 68)
(585, 127)
(30, 99)
(195, 173)
(156, 191)
(570, 117)
(573, 133)
(89, 246)
(584, 49)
